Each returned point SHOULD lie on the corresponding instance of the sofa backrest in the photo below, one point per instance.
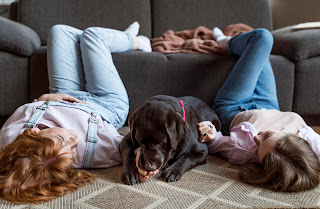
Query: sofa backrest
(155, 16)
(41, 15)
(189, 14)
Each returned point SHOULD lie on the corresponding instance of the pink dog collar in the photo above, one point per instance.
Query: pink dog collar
(184, 112)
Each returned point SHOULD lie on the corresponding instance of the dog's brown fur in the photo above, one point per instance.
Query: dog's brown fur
(167, 142)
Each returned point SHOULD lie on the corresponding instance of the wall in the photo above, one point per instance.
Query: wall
(5, 1)
(291, 12)
(4, 11)
(4, 8)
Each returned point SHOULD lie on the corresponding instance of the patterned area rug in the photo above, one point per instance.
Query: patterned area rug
(213, 185)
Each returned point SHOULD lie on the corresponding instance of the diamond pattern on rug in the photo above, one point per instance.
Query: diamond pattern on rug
(200, 182)
(213, 185)
(219, 167)
(120, 197)
(239, 193)
(74, 200)
(298, 199)
(210, 203)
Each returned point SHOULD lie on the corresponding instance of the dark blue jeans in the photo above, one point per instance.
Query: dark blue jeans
(251, 83)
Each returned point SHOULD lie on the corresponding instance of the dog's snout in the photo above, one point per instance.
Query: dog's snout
(150, 166)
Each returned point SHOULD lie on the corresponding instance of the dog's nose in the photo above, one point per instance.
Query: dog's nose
(151, 166)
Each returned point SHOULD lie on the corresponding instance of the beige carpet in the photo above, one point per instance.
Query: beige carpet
(213, 185)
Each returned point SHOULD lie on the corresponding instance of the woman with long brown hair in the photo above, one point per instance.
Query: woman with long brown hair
(278, 150)
(75, 126)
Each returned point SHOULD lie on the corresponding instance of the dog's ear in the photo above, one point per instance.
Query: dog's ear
(176, 128)
(133, 138)
(131, 122)
(132, 119)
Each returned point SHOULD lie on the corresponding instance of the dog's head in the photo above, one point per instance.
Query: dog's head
(158, 129)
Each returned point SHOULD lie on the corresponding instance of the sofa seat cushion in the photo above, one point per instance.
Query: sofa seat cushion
(296, 45)
(147, 74)
(13, 82)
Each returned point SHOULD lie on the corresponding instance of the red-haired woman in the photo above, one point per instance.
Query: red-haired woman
(76, 125)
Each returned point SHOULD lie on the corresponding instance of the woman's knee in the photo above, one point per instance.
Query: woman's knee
(61, 31)
(98, 36)
(90, 36)
(264, 36)
(58, 29)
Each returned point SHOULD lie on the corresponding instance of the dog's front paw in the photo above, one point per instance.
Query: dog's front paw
(130, 176)
(171, 174)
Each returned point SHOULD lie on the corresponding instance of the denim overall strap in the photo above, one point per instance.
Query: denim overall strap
(92, 139)
(40, 110)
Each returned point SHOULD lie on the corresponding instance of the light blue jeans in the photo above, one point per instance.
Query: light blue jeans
(80, 64)
(251, 83)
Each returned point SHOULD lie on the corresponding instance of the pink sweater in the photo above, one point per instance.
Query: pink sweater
(240, 148)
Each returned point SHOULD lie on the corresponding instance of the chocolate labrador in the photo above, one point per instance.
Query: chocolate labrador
(165, 128)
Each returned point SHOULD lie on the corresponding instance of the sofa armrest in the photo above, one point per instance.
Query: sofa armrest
(17, 38)
(296, 45)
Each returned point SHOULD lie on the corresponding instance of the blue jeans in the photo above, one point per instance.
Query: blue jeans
(80, 64)
(251, 83)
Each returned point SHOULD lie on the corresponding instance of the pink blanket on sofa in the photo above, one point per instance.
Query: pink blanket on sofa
(199, 40)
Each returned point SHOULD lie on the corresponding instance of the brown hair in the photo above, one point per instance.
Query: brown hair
(291, 167)
(33, 171)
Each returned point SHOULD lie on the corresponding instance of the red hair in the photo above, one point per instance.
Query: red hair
(33, 171)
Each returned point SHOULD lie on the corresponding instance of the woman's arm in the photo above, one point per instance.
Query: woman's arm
(207, 132)
(59, 97)
(238, 148)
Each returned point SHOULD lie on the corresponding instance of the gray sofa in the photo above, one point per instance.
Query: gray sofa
(23, 65)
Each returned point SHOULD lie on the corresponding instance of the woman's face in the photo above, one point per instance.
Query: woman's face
(266, 142)
(66, 137)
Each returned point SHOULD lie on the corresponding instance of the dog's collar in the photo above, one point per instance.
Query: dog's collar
(184, 112)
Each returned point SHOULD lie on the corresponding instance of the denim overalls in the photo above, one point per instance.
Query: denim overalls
(92, 139)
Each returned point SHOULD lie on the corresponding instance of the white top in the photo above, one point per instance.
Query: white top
(264, 120)
(107, 153)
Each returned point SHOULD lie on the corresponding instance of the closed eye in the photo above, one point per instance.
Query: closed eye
(61, 137)
(268, 135)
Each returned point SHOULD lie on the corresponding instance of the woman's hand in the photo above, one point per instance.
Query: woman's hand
(207, 131)
(144, 175)
(59, 97)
